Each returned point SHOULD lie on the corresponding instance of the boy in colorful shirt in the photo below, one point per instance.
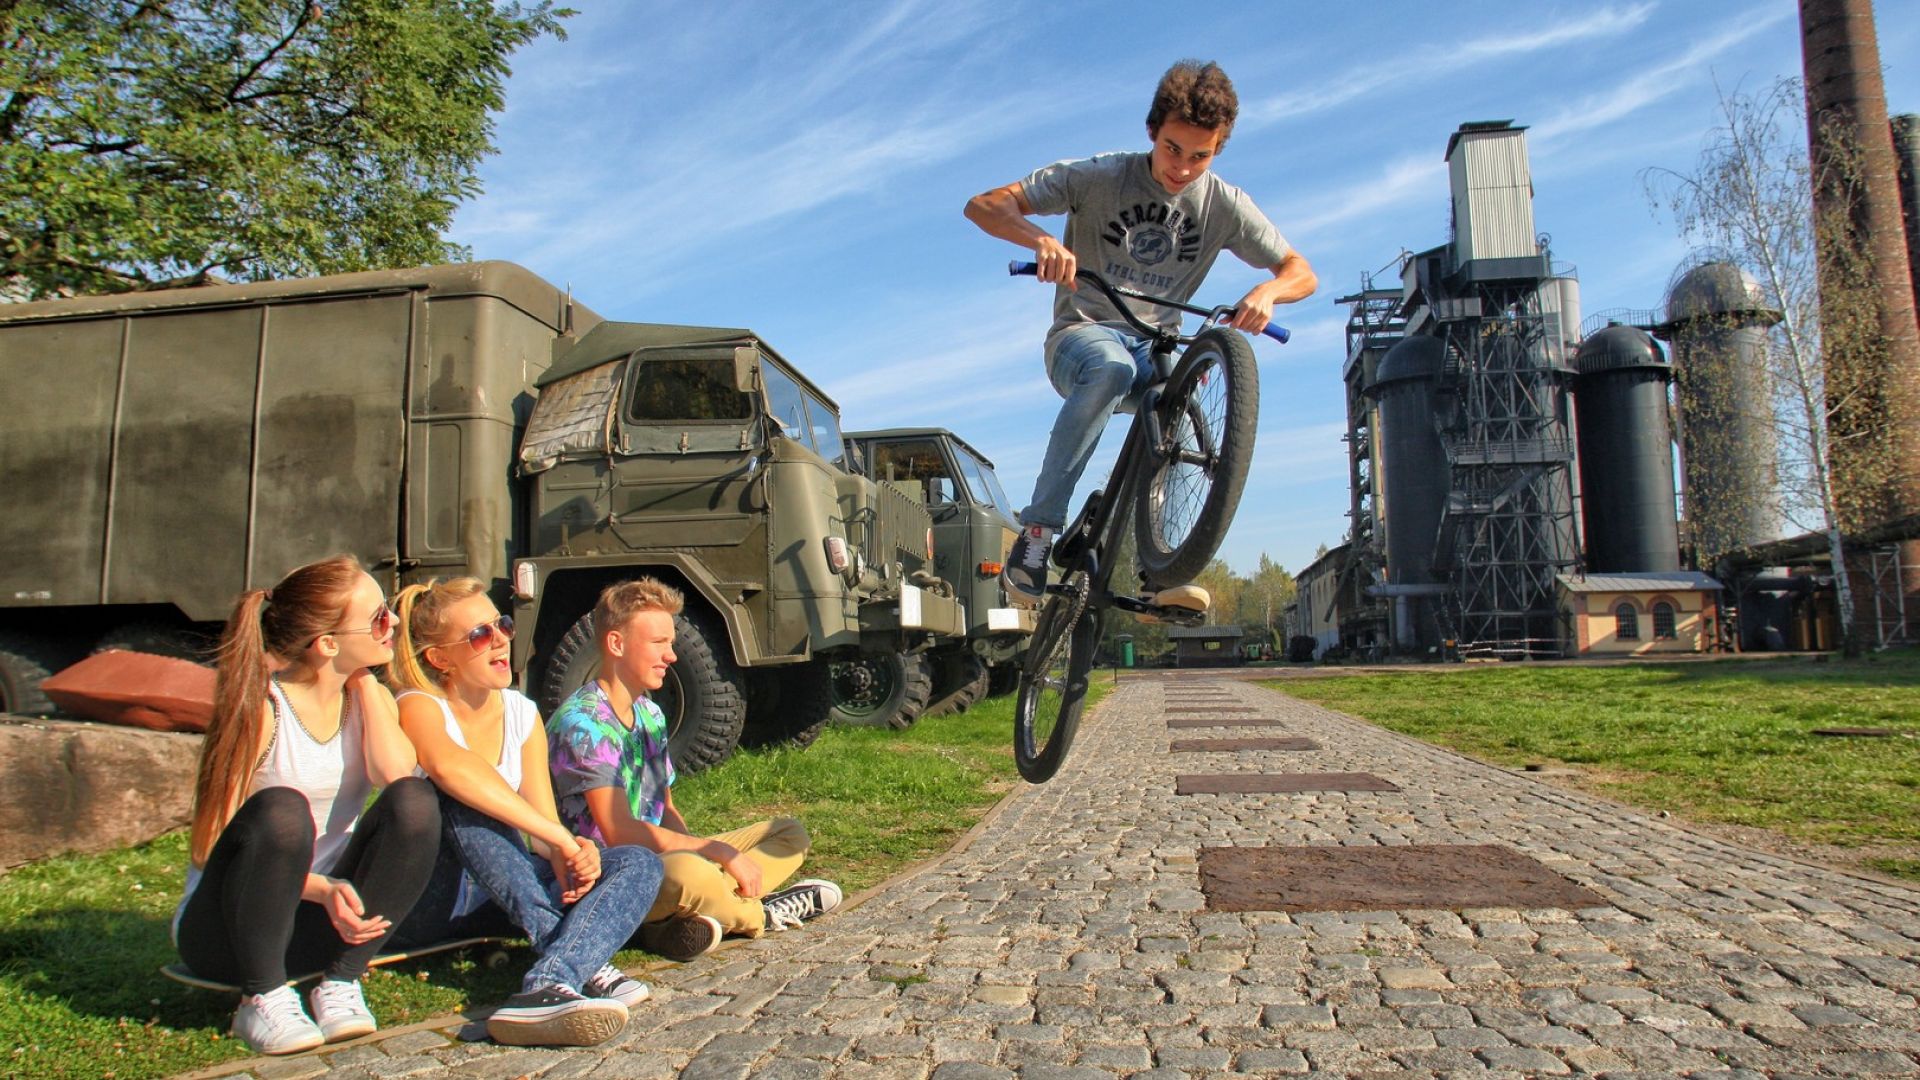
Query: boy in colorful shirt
(613, 780)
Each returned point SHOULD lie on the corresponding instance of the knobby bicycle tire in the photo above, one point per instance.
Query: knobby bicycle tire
(1053, 681)
(1209, 413)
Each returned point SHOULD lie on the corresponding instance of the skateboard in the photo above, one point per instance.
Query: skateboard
(495, 957)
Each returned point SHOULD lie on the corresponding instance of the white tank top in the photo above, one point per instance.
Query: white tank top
(332, 774)
(519, 716)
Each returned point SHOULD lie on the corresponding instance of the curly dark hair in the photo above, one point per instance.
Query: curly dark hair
(1195, 93)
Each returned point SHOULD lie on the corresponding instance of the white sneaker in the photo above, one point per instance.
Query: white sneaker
(341, 1011)
(274, 1023)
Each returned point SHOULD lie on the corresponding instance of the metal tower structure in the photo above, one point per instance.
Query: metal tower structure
(1508, 526)
(1374, 324)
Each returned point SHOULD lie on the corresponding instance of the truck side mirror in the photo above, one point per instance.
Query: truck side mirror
(746, 365)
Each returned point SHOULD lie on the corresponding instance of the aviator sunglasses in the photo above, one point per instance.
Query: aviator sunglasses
(382, 621)
(481, 636)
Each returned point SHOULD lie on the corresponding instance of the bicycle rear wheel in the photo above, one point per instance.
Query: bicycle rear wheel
(1208, 415)
(1053, 681)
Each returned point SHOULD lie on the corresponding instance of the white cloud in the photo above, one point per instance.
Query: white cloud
(1412, 68)
(1652, 84)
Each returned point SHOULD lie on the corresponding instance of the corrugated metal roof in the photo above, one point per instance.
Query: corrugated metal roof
(1664, 580)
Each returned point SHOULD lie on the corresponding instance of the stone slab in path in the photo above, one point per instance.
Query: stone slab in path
(1220, 721)
(1247, 783)
(1392, 878)
(1231, 746)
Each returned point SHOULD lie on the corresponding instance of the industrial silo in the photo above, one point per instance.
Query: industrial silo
(1415, 476)
(1717, 320)
(1626, 452)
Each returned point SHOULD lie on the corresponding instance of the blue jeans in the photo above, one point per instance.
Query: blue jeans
(572, 942)
(1097, 369)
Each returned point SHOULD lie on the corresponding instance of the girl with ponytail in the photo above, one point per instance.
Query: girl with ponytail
(286, 872)
(484, 747)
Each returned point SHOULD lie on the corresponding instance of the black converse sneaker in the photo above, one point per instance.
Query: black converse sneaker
(611, 982)
(681, 938)
(799, 902)
(1025, 574)
(556, 1015)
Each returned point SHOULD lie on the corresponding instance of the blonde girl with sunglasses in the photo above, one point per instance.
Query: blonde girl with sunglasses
(286, 872)
(484, 747)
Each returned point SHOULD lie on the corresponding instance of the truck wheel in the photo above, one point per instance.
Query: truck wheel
(703, 698)
(963, 681)
(23, 663)
(160, 639)
(787, 705)
(890, 689)
(1003, 679)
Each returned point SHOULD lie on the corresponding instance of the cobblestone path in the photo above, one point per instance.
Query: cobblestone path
(1070, 939)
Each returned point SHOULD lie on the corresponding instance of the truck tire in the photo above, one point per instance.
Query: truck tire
(160, 639)
(23, 663)
(962, 681)
(787, 705)
(890, 689)
(704, 696)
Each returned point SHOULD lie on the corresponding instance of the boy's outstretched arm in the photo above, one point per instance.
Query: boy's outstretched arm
(1002, 212)
(1293, 280)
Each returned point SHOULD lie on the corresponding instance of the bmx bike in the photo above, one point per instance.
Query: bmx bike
(1177, 478)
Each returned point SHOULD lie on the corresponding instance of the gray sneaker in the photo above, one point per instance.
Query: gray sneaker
(1025, 574)
(611, 982)
(556, 1015)
(799, 902)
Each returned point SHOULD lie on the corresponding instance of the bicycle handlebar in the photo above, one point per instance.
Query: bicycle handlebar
(1017, 268)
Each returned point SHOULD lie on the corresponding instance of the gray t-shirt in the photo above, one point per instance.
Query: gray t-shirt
(1122, 223)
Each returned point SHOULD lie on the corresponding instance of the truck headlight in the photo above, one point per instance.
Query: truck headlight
(526, 580)
(837, 557)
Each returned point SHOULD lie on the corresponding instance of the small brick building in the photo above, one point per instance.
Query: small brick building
(1640, 613)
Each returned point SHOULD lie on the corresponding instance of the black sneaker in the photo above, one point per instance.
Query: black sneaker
(611, 982)
(681, 939)
(799, 902)
(1025, 574)
(556, 1015)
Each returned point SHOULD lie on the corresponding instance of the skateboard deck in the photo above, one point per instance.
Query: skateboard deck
(180, 973)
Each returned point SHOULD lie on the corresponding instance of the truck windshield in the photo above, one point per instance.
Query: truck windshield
(803, 417)
(687, 388)
(981, 481)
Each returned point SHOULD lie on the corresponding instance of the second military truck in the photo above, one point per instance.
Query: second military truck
(165, 450)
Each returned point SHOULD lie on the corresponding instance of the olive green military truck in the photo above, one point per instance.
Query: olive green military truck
(163, 451)
(973, 527)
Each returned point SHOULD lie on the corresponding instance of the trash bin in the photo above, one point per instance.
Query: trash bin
(1126, 650)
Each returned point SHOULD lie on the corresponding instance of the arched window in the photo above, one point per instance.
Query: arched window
(1626, 622)
(1663, 628)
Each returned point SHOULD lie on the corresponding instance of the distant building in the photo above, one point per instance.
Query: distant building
(1206, 646)
(1640, 613)
(1317, 612)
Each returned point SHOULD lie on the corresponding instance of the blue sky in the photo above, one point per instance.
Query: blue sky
(800, 169)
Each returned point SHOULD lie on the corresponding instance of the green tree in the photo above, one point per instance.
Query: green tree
(159, 142)
(1264, 600)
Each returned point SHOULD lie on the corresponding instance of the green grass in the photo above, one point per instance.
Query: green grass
(1728, 743)
(82, 938)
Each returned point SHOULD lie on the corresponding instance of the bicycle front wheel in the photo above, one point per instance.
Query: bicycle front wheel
(1208, 415)
(1053, 681)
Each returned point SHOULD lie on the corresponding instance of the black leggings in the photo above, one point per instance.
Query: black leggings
(246, 923)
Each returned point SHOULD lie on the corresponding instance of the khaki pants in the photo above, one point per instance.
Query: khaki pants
(695, 885)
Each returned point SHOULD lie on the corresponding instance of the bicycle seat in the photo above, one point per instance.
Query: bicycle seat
(1187, 597)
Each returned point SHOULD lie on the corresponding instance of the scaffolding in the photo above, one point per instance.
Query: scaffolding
(1375, 323)
(1508, 526)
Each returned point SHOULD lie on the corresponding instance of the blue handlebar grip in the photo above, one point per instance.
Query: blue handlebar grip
(1017, 268)
(1278, 333)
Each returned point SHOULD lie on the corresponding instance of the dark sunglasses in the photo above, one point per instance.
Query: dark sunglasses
(382, 621)
(481, 636)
